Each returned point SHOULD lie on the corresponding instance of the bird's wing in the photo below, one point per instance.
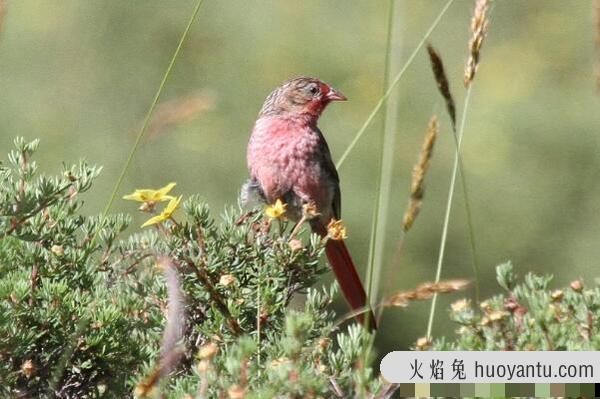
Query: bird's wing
(252, 194)
(329, 167)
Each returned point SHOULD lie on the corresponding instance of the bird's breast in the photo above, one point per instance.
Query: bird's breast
(283, 157)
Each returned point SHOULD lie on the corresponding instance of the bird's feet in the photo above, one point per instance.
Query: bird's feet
(244, 218)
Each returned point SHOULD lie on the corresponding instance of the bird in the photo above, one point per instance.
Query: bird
(289, 160)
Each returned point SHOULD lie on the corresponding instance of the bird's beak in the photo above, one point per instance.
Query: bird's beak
(334, 95)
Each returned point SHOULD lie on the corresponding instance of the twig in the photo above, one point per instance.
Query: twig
(171, 351)
(597, 41)
(34, 280)
(387, 391)
(337, 390)
(378, 218)
(216, 297)
(258, 323)
(35, 210)
(148, 116)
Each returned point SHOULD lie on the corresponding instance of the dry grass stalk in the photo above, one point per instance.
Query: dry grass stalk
(178, 111)
(597, 23)
(176, 309)
(437, 66)
(171, 353)
(424, 291)
(387, 391)
(149, 385)
(418, 176)
(423, 344)
(479, 27)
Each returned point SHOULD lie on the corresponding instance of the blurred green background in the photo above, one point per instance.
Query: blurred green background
(81, 74)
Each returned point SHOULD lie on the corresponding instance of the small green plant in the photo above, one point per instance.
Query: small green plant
(529, 316)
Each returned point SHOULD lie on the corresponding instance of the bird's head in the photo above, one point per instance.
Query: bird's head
(300, 97)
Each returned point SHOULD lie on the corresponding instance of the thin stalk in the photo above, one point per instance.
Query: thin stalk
(465, 192)
(258, 324)
(387, 159)
(443, 240)
(392, 85)
(148, 116)
(83, 323)
(373, 242)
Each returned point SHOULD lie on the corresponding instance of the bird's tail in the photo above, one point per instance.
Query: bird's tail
(347, 277)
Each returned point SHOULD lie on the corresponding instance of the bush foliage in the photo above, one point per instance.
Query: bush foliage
(62, 293)
(528, 316)
(83, 306)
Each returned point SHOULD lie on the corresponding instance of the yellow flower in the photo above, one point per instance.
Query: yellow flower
(166, 213)
(208, 351)
(203, 366)
(295, 244)
(496, 315)
(577, 286)
(323, 343)
(276, 211)
(460, 305)
(236, 392)
(148, 195)
(57, 250)
(226, 279)
(28, 368)
(310, 210)
(279, 362)
(423, 343)
(557, 295)
(336, 230)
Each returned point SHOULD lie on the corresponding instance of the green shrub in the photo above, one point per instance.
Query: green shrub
(529, 316)
(83, 308)
(61, 288)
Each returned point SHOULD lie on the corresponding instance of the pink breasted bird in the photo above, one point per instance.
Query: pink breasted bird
(288, 159)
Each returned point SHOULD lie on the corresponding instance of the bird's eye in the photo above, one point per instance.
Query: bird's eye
(314, 90)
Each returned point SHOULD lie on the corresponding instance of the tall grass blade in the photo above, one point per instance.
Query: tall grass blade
(389, 129)
(373, 242)
(148, 116)
(441, 79)
(479, 28)
(83, 323)
(382, 100)
(376, 246)
(444, 237)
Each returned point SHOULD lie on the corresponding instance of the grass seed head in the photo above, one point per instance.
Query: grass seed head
(479, 28)
(418, 175)
(439, 73)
